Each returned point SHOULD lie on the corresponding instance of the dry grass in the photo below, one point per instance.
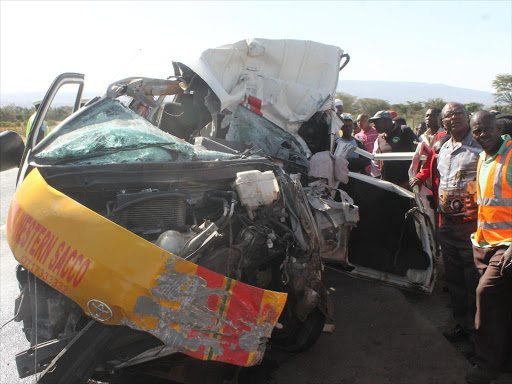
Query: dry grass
(21, 129)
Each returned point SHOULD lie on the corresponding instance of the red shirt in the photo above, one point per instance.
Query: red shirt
(368, 139)
(429, 170)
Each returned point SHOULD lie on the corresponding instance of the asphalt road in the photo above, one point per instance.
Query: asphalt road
(12, 339)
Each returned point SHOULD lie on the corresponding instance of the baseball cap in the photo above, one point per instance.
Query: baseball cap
(347, 116)
(338, 102)
(393, 113)
(381, 115)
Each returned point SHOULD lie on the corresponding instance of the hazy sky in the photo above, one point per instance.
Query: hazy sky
(459, 43)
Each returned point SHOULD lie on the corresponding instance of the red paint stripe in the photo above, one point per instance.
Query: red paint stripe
(254, 104)
(213, 280)
(243, 311)
(245, 306)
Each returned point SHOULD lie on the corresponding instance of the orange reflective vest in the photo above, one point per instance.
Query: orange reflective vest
(495, 203)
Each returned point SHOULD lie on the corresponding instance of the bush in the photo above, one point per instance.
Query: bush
(11, 124)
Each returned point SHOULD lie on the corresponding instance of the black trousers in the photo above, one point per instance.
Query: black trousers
(460, 271)
(493, 321)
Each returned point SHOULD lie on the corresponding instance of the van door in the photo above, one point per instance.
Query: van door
(35, 133)
(394, 240)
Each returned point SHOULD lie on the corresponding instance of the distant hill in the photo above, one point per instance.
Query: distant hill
(397, 92)
(392, 91)
(25, 99)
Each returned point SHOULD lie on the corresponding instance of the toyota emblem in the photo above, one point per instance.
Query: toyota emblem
(99, 310)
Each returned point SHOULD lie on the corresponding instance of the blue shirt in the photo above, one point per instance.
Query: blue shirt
(353, 142)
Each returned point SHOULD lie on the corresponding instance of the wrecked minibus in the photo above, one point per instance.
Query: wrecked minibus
(193, 216)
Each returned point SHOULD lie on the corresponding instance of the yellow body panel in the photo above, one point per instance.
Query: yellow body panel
(87, 257)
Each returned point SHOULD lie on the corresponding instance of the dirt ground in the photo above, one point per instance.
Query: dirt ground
(382, 335)
(436, 309)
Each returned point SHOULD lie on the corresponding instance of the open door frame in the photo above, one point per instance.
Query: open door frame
(61, 80)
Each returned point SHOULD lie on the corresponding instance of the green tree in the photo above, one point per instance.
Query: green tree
(473, 107)
(58, 114)
(13, 113)
(372, 106)
(503, 86)
(434, 103)
(8, 113)
(401, 109)
(414, 107)
(416, 112)
(349, 102)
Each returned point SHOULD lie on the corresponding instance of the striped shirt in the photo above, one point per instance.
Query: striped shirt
(367, 138)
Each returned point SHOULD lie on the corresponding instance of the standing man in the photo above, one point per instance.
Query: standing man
(393, 138)
(492, 248)
(456, 162)
(421, 128)
(338, 103)
(399, 121)
(367, 135)
(433, 127)
(45, 130)
(356, 162)
(428, 174)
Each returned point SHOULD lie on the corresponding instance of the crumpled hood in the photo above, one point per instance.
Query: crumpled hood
(285, 81)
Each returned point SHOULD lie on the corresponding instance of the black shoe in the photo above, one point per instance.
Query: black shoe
(479, 375)
(456, 334)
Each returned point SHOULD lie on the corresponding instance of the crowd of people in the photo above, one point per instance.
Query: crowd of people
(469, 174)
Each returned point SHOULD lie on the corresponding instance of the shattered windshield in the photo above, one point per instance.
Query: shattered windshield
(250, 128)
(109, 132)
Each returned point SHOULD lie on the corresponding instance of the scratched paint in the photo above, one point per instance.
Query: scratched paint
(192, 315)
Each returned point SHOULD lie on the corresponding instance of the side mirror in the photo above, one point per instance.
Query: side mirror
(346, 56)
(11, 150)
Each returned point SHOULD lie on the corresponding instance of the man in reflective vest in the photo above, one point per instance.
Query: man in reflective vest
(45, 129)
(492, 249)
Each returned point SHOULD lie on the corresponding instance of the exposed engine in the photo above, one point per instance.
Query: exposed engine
(258, 230)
